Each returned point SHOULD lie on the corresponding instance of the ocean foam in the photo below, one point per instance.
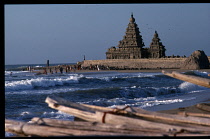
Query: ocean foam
(15, 72)
(159, 102)
(136, 102)
(57, 115)
(187, 87)
(38, 66)
(137, 92)
(201, 73)
(38, 82)
(117, 76)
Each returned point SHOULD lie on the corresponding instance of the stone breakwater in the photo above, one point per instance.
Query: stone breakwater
(151, 63)
(160, 63)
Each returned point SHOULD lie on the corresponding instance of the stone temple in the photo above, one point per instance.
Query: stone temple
(131, 46)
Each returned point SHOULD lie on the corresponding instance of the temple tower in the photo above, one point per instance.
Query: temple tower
(157, 49)
(130, 47)
(132, 37)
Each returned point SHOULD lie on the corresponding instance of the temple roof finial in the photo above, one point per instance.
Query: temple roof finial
(156, 34)
(132, 19)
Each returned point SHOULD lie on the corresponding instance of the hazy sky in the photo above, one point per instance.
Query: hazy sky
(64, 33)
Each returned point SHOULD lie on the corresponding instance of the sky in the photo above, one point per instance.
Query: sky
(65, 33)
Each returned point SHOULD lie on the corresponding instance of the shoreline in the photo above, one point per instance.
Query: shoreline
(126, 71)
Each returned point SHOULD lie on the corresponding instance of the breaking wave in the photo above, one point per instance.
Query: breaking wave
(51, 114)
(190, 87)
(52, 81)
(38, 82)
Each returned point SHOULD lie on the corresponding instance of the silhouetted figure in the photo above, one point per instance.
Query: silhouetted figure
(66, 69)
(61, 70)
(45, 71)
(48, 63)
(51, 71)
(55, 70)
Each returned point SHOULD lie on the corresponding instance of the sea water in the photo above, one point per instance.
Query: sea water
(25, 92)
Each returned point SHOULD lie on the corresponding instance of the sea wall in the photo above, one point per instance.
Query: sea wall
(163, 63)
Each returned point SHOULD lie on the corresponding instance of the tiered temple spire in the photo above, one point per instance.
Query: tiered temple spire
(132, 37)
(157, 50)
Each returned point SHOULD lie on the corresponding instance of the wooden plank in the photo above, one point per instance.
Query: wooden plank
(42, 130)
(118, 119)
(128, 129)
(194, 114)
(203, 106)
(97, 108)
(170, 117)
(132, 111)
(189, 78)
(88, 116)
(155, 115)
(96, 126)
(17, 127)
(55, 99)
(29, 129)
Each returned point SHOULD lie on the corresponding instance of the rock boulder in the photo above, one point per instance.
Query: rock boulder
(197, 60)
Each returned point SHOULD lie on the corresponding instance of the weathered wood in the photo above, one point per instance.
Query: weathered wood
(28, 129)
(132, 111)
(128, 129)
(88, 116)
(31, 129)
(154, 115)
(96, 126)
(172, 118)
(194, 114)
(54, 100)
(203, 106)
(97, 108)
(189, 78)
(118, 119)
(107, 117)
